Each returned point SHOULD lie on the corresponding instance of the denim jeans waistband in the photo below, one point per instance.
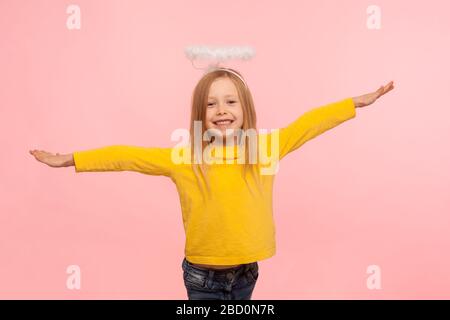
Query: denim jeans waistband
(245, 267)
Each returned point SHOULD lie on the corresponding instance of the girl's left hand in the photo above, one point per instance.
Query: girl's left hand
(370, 98)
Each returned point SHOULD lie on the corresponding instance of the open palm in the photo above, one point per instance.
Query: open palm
(369, 98)
(50, 159)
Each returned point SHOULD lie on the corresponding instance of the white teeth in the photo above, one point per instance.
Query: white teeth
(223, 122)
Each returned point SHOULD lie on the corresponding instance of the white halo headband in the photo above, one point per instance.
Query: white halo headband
(219, 54)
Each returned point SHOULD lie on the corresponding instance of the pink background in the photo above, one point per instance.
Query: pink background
(373, 191)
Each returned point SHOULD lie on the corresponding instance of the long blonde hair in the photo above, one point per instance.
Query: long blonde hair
(198, 113)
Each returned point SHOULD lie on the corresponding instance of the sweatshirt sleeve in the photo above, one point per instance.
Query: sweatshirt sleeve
(314, 122)
(147, 160)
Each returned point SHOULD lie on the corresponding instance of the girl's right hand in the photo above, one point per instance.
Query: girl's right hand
(53, 160)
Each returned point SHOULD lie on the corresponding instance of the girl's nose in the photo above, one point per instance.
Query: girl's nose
(221, 109)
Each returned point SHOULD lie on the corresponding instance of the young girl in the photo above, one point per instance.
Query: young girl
(226, 206)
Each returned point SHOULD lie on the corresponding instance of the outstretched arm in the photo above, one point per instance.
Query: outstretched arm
(318, 120)
(147, 160)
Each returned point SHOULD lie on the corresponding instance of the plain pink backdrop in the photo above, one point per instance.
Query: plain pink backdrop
(372, 191)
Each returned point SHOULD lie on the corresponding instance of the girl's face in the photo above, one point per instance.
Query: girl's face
(223, 105)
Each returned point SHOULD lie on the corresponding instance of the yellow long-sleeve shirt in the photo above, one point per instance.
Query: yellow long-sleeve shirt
(232, 226)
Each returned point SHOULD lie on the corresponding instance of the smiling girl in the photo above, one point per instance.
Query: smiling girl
(226, 208)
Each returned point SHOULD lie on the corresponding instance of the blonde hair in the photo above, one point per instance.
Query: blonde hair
(198, 113)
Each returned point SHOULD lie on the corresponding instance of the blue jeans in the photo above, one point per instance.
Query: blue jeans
(235, 283)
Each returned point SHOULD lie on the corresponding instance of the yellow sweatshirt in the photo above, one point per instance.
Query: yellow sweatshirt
(233, 226)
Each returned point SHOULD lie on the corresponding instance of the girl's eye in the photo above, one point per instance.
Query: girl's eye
(211, 103)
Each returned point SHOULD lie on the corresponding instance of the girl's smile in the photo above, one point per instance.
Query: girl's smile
(224, 110)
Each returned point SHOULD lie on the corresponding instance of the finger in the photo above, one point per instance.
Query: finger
(379, 92)
(389, 87)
